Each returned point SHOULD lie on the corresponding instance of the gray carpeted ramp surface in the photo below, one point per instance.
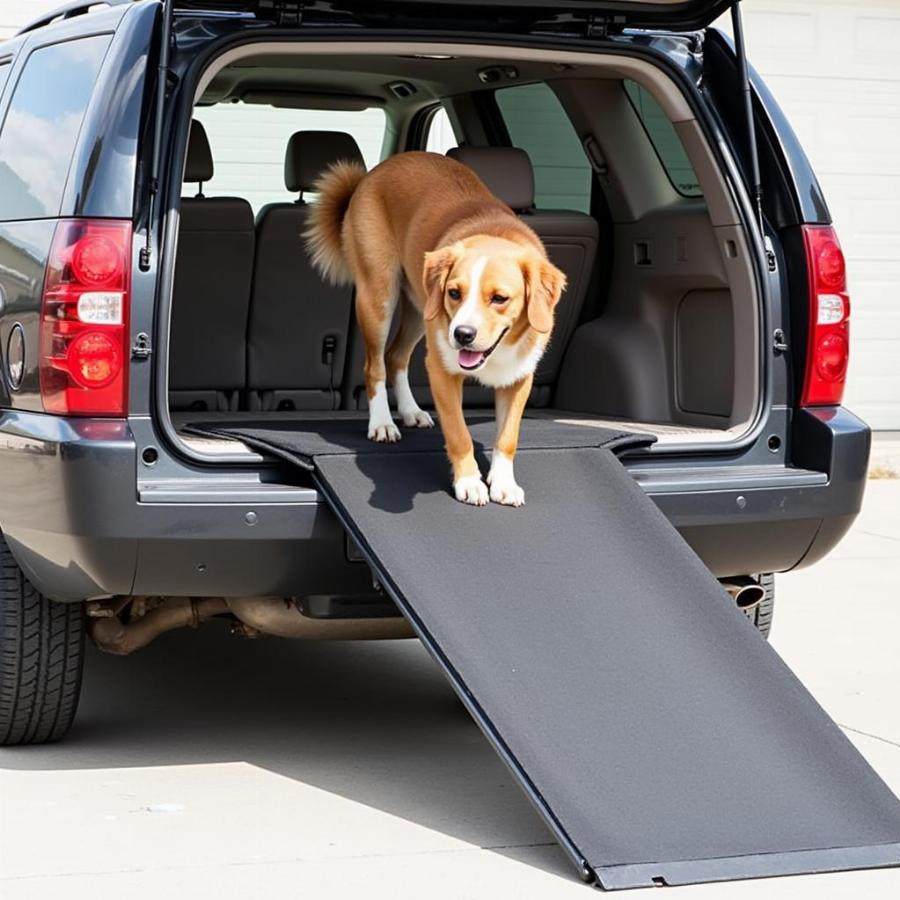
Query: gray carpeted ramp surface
(663, 740)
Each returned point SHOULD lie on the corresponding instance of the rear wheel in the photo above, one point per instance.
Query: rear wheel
(761, 615)
(41, 658)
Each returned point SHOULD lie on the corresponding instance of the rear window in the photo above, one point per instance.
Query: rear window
(248, 142)
(42, 123)
(440, 133)
(537, 122)
(665, 140)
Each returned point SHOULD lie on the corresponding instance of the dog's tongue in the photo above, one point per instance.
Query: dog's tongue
(468, 359)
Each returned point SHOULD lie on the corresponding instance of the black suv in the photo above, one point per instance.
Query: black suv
(152, 276)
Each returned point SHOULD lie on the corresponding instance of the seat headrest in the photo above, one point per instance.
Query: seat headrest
(506, 171)
(309, 153)
(199, 165)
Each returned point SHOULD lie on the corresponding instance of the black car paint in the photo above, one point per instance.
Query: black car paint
(86, 517)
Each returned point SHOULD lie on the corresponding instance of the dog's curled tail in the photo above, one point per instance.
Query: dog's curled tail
(323, 235)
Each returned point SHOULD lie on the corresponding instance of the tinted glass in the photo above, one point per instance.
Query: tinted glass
(42, 123)
(4, 74)
(537, 122)
(665, 140)
(248, 142)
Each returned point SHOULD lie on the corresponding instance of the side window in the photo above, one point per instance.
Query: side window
(4, 74)
(248, 142)
(41, 127)
(665, 140)
(537, 122)
(440, 133)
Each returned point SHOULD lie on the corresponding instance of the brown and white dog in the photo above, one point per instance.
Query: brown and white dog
(423, 231)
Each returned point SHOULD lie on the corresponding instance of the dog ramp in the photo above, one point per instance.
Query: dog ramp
(661, 738)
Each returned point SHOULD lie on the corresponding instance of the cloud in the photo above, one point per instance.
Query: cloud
(39, 152)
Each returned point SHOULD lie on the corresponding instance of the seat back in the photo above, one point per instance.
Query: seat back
(211, 292)
(298, 328)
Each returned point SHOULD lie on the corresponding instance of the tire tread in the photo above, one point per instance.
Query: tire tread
(41, 659)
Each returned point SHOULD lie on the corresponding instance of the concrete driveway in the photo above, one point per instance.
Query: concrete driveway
(212, 767)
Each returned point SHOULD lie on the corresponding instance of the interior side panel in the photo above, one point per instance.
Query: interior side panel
(668, 278)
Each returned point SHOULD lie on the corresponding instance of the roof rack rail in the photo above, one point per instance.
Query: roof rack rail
(69, 11)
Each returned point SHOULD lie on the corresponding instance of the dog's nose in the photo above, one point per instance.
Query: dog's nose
(464, 334)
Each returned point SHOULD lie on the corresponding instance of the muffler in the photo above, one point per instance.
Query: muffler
(746, 593)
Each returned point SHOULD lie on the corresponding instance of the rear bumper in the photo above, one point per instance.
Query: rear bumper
(75, 518)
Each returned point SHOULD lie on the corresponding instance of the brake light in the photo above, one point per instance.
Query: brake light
(828, 348)
(84, 319)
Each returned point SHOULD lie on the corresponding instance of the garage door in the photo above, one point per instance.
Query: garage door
(834, 67)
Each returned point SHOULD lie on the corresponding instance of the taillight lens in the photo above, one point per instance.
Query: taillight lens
(828, 348)
(84, 319)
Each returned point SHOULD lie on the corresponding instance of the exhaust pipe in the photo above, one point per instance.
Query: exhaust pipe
(746, 593)
(255, 615)
(274, 615)
(112, 635)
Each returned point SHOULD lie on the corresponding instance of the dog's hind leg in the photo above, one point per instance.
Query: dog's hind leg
(410, 332)
(376, 299)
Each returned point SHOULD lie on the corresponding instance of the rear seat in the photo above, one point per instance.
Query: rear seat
(211, 292)
(298, 327)
(571, 239)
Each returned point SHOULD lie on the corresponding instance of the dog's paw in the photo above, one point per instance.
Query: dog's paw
(504, 488)
(384, 433)
(506, 491)
(471, 489)
(416, 418)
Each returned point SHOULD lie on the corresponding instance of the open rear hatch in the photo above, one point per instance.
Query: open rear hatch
(674, 15)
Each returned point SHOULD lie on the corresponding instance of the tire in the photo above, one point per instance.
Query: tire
(761, 615)
(41, 659)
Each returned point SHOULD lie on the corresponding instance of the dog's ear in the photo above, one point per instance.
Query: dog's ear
(438, 265)
(544, 284)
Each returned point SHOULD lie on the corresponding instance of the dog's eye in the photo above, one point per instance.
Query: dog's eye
(454, 294)
(498, 299)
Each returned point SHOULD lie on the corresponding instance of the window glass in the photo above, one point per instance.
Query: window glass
(665, 140)
(41, 128)
(248, 142)
(440, 133)
(537, 122)
(4, 74)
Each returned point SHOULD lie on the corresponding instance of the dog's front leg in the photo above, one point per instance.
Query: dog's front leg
(446, 390)
(510, 404)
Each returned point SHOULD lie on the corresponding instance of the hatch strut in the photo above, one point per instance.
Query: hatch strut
(161, 87)
(741, 50)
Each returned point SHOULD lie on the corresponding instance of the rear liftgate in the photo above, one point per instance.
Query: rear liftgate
(661, 738)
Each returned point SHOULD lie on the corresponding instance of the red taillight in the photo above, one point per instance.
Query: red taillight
(828, 348)
(84, 319)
